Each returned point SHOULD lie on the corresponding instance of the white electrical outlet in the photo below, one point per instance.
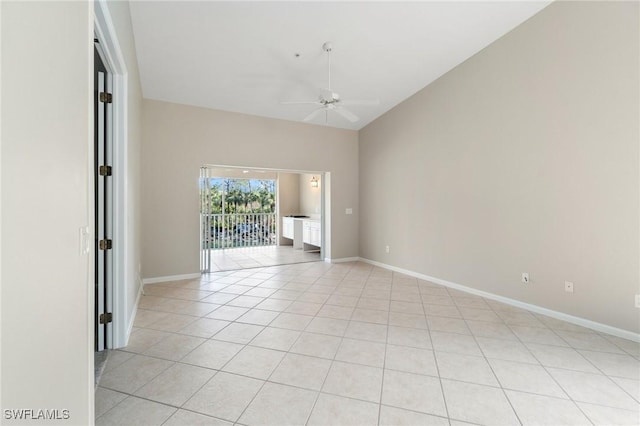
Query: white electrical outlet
(637, 300)
(348, 211)
(525, 278)
(387, 249)
(568, 286)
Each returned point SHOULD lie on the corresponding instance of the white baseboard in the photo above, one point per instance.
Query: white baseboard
(342, 259)
(171, 278)
(133, 317)
(625, 334)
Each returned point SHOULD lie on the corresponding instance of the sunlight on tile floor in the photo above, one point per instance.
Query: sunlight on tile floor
(254, 257)
(352, 344)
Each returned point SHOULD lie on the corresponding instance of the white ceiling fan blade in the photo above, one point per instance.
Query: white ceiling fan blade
(313, 114)
(299, 102)
(347, 114)
(361, 102)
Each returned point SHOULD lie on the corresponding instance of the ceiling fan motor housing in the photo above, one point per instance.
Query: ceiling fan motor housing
(329, 97)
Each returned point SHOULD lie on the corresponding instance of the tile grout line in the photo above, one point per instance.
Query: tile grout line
(544, 367)
(504, 393)
(215, 374)
(554, 331)
(315, 402)
(386, 347)
(435, 359)
(231, 359)
(570, 398)
(271, 374)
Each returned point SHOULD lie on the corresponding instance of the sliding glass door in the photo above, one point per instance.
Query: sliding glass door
(235, 212)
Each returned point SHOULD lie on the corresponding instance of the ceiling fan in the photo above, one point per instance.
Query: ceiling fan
(330, 100)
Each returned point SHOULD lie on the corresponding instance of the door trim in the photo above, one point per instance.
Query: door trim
(114, 60)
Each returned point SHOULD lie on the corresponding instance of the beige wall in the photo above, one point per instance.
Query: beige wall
(288, 200)
(225, 172)
(289, 193)
(47, 344)
(310, 198)
(178, 139)
(119, 11)
(522, 159)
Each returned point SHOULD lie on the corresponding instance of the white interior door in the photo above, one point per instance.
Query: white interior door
(103, 191)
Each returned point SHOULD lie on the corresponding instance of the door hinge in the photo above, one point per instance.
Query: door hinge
(105, 170)
(106, 98)
(106, 318)
(105, 244)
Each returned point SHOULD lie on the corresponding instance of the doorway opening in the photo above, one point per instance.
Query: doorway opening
(259, 217)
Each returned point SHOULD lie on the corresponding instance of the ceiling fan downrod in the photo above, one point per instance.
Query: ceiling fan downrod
(328, 47)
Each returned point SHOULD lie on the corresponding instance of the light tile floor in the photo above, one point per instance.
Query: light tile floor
(351, 344)
(255, 257)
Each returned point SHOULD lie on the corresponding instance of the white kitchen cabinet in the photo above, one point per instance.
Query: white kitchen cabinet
(311, 233)
(287, 227)
(292, 229)
(302, 231)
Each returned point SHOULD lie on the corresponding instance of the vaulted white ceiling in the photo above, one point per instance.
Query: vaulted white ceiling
(241, 56)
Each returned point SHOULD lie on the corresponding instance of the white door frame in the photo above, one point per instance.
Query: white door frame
(106, 35)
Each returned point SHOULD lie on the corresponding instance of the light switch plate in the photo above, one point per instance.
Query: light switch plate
(85, 242)
(348, 211)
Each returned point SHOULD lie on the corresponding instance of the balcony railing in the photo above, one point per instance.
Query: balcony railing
(238, 230)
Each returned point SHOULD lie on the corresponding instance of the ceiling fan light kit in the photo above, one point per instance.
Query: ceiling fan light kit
(329, 100)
